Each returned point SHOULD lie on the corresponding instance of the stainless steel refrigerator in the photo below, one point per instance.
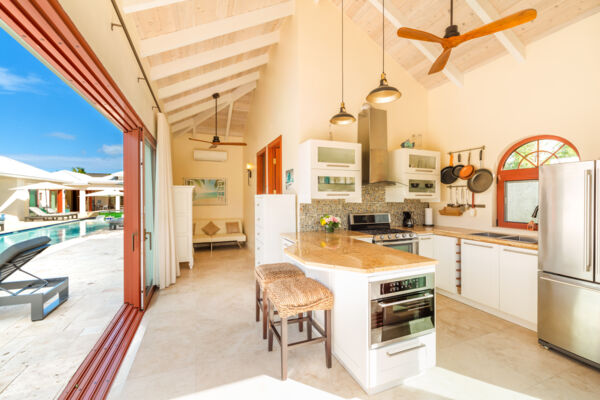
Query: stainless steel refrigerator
(569, 259)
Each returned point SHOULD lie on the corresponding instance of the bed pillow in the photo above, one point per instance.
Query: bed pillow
(232, 227)
(210, 228)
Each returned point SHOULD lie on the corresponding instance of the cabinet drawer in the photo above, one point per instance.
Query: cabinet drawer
(401, 360)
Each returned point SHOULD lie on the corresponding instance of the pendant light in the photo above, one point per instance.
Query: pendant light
(384, 93)
(343, 117)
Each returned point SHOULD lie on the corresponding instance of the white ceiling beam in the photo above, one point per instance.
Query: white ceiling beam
(392, 14)
(212, 76)
(203, 94)
(208, 57)
(224, 26)
(487, 13)
(229, 112)
(133, 7)
(192, 119)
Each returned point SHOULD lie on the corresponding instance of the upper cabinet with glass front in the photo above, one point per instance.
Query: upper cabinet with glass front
(413, 161)
(326, 154)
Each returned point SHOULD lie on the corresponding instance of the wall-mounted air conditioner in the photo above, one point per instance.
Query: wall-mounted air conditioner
(210, 155)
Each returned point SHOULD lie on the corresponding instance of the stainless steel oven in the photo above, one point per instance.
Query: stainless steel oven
(409, 245)
(401, 309)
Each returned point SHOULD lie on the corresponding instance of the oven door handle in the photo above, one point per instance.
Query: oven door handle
(393, 303)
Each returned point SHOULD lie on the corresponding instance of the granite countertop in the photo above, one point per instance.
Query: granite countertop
(344, 251)
(465, 233)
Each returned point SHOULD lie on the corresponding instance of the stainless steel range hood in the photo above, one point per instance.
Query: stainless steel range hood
(372, 135)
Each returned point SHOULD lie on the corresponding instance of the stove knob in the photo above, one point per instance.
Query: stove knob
(398, 236)
(405, 235)
(390, 236)
(381, 237)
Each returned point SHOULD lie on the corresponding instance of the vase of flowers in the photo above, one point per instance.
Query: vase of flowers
(330, 223)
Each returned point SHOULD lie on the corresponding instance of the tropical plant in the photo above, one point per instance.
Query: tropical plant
(80, 170)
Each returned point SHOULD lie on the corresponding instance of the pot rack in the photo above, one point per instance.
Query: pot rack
(466, 150)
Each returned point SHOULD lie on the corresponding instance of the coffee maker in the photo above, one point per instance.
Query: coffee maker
(408, 221)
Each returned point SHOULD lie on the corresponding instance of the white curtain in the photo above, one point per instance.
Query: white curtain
(168, 267)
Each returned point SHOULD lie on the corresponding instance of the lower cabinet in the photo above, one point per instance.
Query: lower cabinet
(518, 282)
(479, 272)
(426, 246)
(444, 250)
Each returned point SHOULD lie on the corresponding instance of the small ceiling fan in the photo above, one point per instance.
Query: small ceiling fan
(453, 38)
(216, 141)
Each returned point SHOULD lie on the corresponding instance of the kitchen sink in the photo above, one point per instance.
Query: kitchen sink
(490, 234)
(524, 239)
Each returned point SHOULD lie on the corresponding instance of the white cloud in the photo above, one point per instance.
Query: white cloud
(10, 82)
(111, 149)
(56, 163)
(61, 135)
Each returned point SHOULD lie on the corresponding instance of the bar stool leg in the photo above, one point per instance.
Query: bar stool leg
(300, 324)
(269, 316)
(265, 319)
(257, 302)
(284, 348)
(309, 325)
(328, 338)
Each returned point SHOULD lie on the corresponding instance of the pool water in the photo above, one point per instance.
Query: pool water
(57, 233)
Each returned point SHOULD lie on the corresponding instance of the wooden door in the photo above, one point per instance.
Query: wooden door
(274, 160)
(261, 172)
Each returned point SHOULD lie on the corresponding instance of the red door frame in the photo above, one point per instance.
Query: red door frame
(49, 31)
(274, 166)
(261, 159)
(525, 174)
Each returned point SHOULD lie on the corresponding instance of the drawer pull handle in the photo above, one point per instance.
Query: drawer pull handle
(479, 245)
(424, 170)
(338, 165)
(395, 353)
(338, 194)
(518, 252)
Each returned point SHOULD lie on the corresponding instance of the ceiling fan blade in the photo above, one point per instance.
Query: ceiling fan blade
(441, 61)
(199, 140)
(415, 34)
(511, 21)
(232, 144)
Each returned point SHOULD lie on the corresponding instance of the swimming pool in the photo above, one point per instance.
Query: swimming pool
(57, 233)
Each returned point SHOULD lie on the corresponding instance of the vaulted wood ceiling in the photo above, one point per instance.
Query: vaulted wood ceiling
(193, 48)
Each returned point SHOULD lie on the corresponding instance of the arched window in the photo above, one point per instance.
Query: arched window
(518, 174)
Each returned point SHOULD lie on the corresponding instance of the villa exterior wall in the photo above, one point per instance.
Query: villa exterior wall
(19, 208)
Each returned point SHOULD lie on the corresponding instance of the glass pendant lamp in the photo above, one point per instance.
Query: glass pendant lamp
(342, 117)
(384, 93)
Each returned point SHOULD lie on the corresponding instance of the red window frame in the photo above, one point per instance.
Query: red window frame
(525, 174)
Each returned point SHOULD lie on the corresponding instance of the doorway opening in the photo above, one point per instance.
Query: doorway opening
(274, 162)
(261, 176)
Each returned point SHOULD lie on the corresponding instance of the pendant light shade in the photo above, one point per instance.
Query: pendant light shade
(343, 117)
(384, 93)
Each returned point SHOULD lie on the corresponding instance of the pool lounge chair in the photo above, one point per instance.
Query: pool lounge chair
(36, 291)
(36, 213)
(115, 223)
(2, 218)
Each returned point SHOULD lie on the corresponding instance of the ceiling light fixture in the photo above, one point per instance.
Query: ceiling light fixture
(343, 117)
(384, 93)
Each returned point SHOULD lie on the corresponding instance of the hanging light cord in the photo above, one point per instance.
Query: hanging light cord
(383, 38)
(342, 51)
(451, 12)
(216, 134)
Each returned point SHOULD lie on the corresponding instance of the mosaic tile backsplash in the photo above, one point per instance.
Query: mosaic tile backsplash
(373, 200)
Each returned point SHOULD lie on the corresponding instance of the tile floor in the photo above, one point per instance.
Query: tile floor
(37, 359)
(201, 342)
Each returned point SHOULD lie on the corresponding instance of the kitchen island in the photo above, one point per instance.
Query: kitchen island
(383, 315)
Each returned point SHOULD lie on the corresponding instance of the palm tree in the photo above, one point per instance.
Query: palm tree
(80, 170)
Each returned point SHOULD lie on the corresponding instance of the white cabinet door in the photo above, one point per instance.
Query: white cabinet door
(518, 282)
(332, 184)
(444, 250)
(479, 272)
(327, 154)
(426, 246)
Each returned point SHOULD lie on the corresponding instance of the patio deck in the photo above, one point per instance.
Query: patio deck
(37, 359)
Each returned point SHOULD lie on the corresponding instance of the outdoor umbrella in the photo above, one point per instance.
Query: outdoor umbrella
(105, 193)
(43, 186)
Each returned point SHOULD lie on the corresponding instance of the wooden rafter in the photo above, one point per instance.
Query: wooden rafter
(393, 16)
(204, 93)
(220, 27)
(229, 113)
(212, 76)
(132, 7)
(486, 11)
(208, 57)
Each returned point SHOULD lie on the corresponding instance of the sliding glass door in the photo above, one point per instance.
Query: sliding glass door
(148, 195)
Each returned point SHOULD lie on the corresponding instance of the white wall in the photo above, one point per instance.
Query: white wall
(555, 92)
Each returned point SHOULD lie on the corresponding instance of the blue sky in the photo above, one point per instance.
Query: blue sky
(45, 123)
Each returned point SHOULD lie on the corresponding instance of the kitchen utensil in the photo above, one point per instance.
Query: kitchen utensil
(467, 171)
(453, 38)
(482, 179)
(473, 210)
(457, 168)
(447, 177)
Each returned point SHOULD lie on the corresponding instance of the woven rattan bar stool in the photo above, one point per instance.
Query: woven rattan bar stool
(265, 275)
(296, 296)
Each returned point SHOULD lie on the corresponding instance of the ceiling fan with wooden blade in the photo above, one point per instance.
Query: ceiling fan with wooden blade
(453, 38)
(216, 141)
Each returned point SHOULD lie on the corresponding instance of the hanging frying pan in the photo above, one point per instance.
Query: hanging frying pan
(446, 174)
(467, 171)
(457, 168)
(482, 179)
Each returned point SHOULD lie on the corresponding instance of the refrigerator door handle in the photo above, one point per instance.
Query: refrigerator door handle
(589, 235)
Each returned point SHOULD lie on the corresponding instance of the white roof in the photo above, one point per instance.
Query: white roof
(72, 177)
(42, 186)
(16, 169)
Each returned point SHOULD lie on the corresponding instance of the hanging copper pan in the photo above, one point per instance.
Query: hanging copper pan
(467, 171)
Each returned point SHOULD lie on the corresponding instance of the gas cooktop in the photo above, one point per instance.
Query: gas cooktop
(378, 225)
